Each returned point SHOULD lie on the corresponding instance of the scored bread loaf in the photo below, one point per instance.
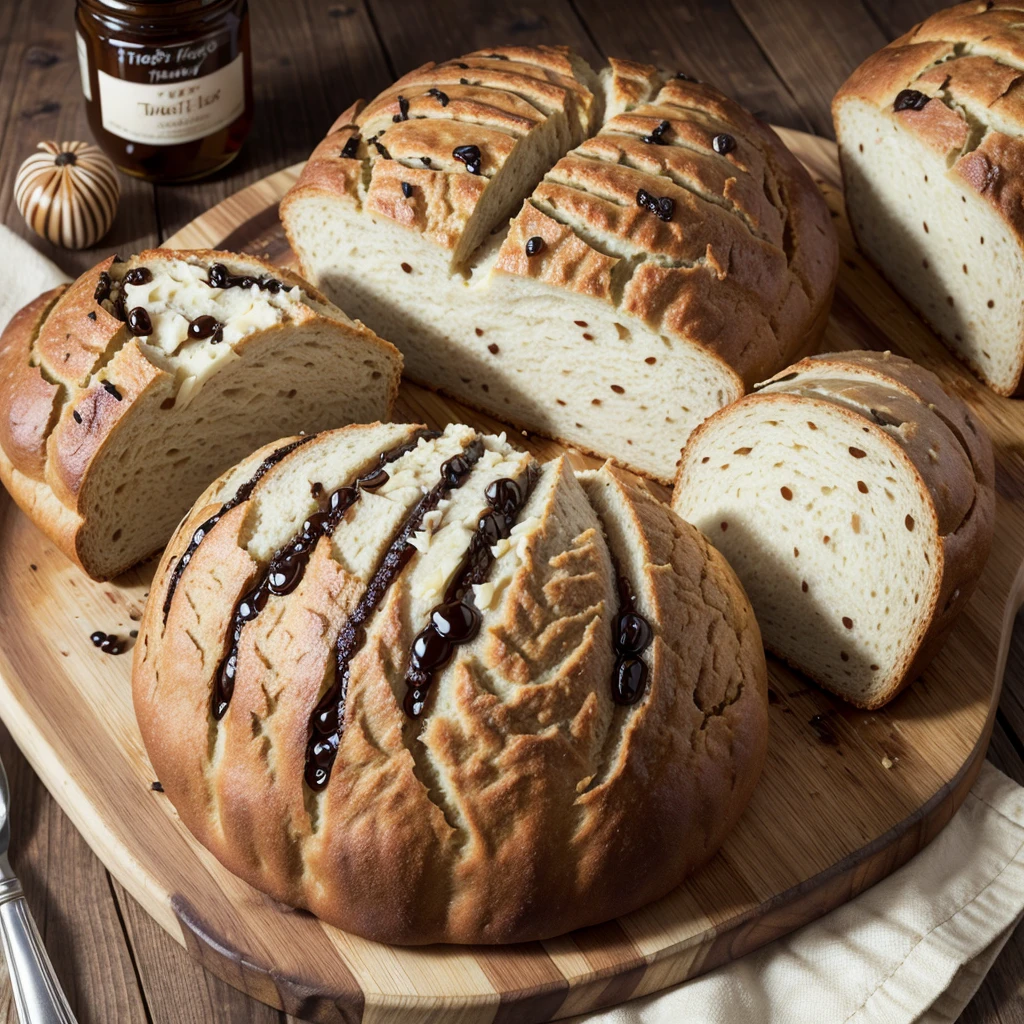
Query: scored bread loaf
(124, 394)
(435, 692)
(675, 256)
(854, 498)
(930, 140)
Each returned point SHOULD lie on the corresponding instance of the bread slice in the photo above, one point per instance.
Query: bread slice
(122, 396)
(613, 325)
(930, 139)
(854, 498)
(486, 788)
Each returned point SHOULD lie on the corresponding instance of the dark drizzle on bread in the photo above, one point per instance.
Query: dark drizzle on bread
(456, 620)
(327, 720)
(218, 276)
(242, 494)
(631, 636)
(468, 155)
(288, 565)
(661, 206)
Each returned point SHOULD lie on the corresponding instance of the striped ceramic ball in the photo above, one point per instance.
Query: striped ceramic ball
(68, 193)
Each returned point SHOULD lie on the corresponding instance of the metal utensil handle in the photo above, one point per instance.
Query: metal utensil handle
(37, 992)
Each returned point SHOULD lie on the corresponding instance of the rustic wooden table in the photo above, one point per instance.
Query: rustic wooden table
(782, 58)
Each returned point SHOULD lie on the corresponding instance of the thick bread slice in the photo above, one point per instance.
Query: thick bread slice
(930, 139)
(591, 319)
(855, 500)
(109, 430)
(503, 806)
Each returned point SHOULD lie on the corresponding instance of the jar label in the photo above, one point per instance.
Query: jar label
(170, 112)
(83, 64)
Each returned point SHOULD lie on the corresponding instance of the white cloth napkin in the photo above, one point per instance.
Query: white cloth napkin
(915, 947)
(27, 274)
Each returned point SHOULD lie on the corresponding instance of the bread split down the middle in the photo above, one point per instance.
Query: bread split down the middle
(665, 250)
(434, 691)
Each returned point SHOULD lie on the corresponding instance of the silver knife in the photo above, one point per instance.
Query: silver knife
(37, 992)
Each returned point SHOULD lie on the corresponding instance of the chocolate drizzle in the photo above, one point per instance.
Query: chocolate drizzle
(534, 245)
(631, 636)
(456, 620)
(441, 97)
(140, 275)
(218, 276)
(661, 206)
(657, 134)
(139, 322)
(102, 291)
(470, 156)
(242, 494)
(288, 565)
(206, 327)
(910, 99)
(326, 722)
(723, 143)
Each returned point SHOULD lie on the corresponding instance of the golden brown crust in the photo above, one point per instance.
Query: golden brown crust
(510, 811)
(76, 380)
(966, 61)
(409, 133)
(744, 264)
(943, 445)
(25, 393)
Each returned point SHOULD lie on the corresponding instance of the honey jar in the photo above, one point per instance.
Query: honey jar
(167, 83)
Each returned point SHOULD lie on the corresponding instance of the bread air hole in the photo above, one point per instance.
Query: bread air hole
(909, 522)
(743, 451)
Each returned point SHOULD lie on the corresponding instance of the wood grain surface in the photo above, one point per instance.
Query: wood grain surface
(311, 58)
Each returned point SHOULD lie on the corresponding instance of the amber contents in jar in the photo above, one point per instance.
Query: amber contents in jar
(167, 83)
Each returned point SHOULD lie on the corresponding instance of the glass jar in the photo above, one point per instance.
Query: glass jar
(167, 83)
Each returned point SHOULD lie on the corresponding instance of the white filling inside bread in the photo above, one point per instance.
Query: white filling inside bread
(844, 581)
(944, 249)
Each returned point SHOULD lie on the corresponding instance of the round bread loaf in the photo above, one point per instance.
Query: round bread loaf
(125, 393)
(855, 499)
(665, 249)
(434, 691)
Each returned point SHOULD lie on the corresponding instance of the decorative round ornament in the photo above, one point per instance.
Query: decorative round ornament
(68, 193)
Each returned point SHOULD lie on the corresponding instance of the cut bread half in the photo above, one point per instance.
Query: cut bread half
(434, 691)
(125, 394)
(854, 498)
(666, 249)
(931, 141)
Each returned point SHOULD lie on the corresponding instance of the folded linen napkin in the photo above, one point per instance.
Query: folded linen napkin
(27, 274)
(915, 947)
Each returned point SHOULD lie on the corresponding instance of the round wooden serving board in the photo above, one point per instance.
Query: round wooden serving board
(846, 797)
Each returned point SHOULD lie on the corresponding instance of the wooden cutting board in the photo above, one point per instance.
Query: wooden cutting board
(847, 796)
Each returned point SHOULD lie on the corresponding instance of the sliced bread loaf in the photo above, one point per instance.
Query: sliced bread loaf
(930, 139)
(854, 498)
(436, 692)
(122, 396)
(649, 275)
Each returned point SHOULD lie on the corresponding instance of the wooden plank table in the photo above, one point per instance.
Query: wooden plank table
(310, 58)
